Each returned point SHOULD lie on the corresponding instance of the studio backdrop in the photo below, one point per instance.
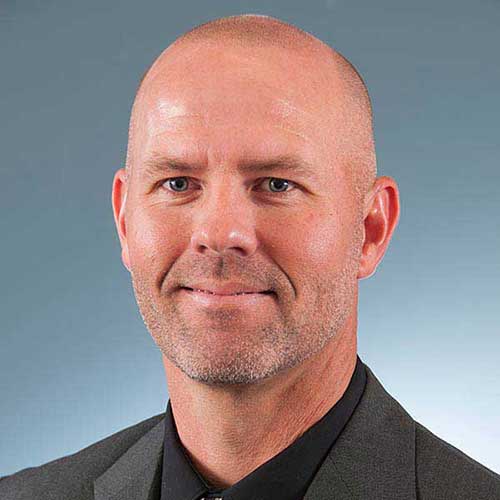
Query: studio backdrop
(76, 361)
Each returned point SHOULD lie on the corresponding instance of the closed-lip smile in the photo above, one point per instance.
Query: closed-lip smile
(229, 288)
(224, 294)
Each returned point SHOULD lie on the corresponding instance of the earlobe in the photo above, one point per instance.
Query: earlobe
(125, 258)
(379, 223)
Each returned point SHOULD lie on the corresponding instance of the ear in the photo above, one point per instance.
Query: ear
(381, 215)
(118, 200)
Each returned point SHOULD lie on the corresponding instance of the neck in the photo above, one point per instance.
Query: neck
(229, 432)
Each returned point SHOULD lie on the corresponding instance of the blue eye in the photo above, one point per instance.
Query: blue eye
(280, 183)
(173, 180)
(180, 184)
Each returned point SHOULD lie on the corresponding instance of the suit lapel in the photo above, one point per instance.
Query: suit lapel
(136, 475)
(374, 456)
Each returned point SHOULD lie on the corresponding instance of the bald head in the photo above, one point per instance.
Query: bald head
(333, 77)
(250, 155)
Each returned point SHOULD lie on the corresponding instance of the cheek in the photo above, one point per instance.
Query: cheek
(321, 241)
(301, 242)
(318, 239)
(152, 239)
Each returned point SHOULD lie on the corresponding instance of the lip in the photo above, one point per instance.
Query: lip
(227, 288)
(210, 299)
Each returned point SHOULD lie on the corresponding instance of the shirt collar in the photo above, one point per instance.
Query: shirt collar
(287, 475)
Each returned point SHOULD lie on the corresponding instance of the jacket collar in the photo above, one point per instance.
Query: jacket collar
(374, 457)
(136, 475)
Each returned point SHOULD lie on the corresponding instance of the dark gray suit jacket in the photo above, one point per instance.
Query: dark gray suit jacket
(382, 454)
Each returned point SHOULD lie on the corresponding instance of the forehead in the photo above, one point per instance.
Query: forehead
(237, 102)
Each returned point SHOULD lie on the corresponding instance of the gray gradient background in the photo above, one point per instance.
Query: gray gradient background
(77, 363)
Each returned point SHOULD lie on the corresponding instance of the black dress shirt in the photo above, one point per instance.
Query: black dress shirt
(286, 476)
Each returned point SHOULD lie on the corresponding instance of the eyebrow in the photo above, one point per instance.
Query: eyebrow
(288, 163)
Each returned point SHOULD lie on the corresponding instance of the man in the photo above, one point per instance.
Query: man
(247, 212)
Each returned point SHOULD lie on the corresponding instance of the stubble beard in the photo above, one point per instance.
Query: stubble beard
(266, 349)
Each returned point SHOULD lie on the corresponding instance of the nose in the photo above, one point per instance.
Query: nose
(225, 223)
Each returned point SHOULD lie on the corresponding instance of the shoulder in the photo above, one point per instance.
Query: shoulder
(72, 476)
(444, 471)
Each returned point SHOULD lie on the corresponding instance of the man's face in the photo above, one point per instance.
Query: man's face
(221, 110)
